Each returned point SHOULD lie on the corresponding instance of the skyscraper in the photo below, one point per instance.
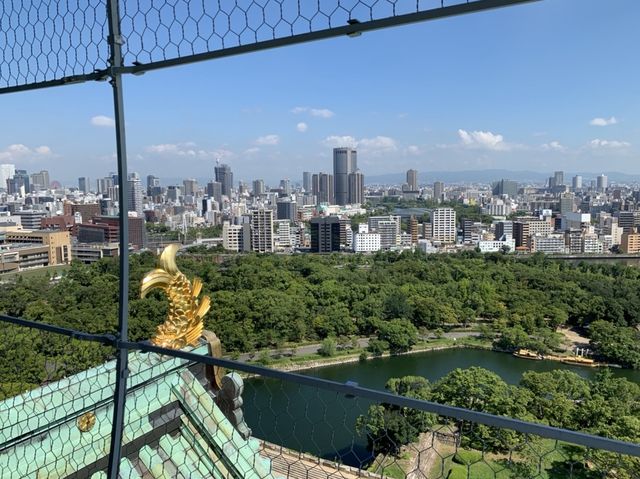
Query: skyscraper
(577, 182)
(40, 181)
(412, 180)
(506, 187)
(602, 182)
(214, 190)
(306, 181)
(83, 184)
(345, 161)
(325, 192)
(224, 176)
(558, 177)
(438, 191)
(6, 172)
(190, 186)
(19, 183)
(262, 230)
(285, 186)
(258, 188)
(104, 184)
(356, 188)
(153, 182)
(135, 194)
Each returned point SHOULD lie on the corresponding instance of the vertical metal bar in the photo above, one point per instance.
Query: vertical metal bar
(115, 60)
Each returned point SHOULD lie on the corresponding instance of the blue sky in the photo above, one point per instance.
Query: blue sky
(543, 86)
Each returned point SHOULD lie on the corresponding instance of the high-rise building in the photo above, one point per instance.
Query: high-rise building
(19, 183)
(602, 182)
(577, 182)
(262, 230)
(326, 193)
(356, 188)
(224, 176)
(325, 234)
(558, 178)
(40, 181)
(413, 229)
(135, 194)
(286, 209)
(306, 181)
(6, 172)
(258, 188)
(443, 225)
(438, 191)
(412, 180)
(214, 190)
(83, 184)
(285, 186)
(152, 183)
(345, 161)
(567, 203)
(104, 184)
(190, 187)
(506, 187)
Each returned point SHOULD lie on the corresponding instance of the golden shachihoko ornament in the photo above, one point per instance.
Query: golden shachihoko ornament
(184, 323)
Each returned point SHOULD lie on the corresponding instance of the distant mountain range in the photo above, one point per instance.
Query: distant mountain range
(489, 176)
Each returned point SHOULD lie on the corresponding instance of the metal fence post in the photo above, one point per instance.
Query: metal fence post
(115, 60)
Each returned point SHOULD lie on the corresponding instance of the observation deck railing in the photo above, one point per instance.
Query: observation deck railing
(305, 426)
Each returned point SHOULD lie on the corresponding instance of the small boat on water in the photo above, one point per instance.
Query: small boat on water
(526, 354)
(580, 361)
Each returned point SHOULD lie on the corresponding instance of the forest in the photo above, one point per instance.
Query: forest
(606, 406)
(269, 301)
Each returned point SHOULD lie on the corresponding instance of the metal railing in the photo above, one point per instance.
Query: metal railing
(51, 43)
(313, 427)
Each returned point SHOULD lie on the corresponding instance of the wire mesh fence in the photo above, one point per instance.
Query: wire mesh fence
(49, 42)
(180, 422)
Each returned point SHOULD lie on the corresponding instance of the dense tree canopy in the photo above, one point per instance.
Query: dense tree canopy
(266, 301)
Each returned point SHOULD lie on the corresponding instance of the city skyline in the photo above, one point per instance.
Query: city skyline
(500, 105)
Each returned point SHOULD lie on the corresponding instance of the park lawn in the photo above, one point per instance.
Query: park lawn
(470, 464)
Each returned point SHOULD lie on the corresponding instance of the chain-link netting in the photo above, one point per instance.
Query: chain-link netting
(53, 396)
(50, 40)
(182, 420)
(44, 40)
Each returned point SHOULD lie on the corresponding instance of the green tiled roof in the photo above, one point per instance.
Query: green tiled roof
(173, 427)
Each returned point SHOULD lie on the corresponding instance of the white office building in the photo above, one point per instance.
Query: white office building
(495, 246)
(548, 244)
(443, 225)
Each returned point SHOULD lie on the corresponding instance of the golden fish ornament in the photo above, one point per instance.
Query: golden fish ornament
(184, 323)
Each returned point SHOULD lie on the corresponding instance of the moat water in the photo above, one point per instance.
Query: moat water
(324, 424)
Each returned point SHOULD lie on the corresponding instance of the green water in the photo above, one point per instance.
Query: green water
(323, 423)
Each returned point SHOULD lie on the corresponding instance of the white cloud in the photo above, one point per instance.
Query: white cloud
(378, 143)
(321, 112)
(102, 120)
(302, 127)
(268, 140)
(553, 146)
(188, 150)
(603, 121)
(20, 152)
(337, 141)
(367, 146)
(613, 144)
(317, 112)
(412, 150)
(251, 151)
(483, 140)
